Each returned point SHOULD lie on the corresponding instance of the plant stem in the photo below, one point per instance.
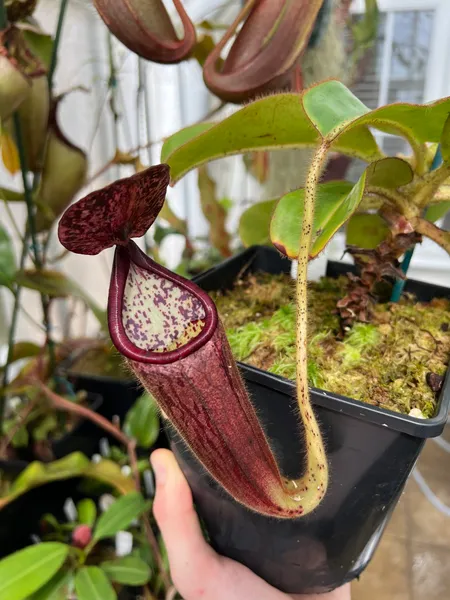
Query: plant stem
(31, 226)
(112, 85)
(399, 285)
(430, 230)
(28, 197)
(142, 112)
(54, 55)
(62, 404)
(11, 338)
(316, 460)
(3, 15)
(31, 221)
(21, 419)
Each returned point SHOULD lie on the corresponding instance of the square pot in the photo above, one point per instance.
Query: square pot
(371, 452)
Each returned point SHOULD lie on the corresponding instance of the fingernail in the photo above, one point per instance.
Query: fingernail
(159, 470)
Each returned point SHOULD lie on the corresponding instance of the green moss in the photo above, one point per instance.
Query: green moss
(384, 363)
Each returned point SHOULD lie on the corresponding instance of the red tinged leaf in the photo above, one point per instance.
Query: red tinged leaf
(168, 329)
(115, 214)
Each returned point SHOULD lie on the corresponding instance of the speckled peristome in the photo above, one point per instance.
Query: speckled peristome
(158, 315)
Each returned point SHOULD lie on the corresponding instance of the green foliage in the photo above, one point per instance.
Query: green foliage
(7, 258)
(272, 123)
(254, 223)
(56, 588)
(326, 114)
(91, 583)
(128, 570)
(445, 141)
(73, 465)
(366, 230)
(289, 120)
(40, 44)
(58, 285)
(25, 571)
(364, 31)
(42, 430)
(181, 137)
(437, 211)
(330, 105)
(335, 204)
(334, 201)
(120, 515)
(142, 421)
(10, 195)
(87, 512)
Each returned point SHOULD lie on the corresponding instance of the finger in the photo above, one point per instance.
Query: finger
(193, 562)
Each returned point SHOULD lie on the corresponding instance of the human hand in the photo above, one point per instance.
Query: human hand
(198, 572)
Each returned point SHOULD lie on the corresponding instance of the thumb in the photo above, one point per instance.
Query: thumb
(179, 525)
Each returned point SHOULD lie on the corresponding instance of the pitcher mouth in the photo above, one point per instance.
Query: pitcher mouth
(192, 333)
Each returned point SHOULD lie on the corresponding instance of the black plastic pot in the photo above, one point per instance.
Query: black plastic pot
(371, 452)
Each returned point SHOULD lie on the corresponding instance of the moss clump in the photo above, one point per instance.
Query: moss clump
(384, 363)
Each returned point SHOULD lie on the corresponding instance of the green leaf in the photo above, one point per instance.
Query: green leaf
(437, 211)
(296, 121)
(42, 431)
(330, 105)
(272, 123)
(366, 230)
(365, 31)
(142, 421)
(181, 137)
(25, 571)
(25, 350)
(7, 258)
(160, 232)
(389, 173)
(51, 520)
(120, 515)
(254, 224)
(56, 588)
(421, 122)
(335, 203)
(213, 212)
(445, 141)
(21, 438)
(73, 465)
(286, 222)
(58, 285)
(40, 44)
(87, 512)
(129, 570)
(92, 584)
(11, 196)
